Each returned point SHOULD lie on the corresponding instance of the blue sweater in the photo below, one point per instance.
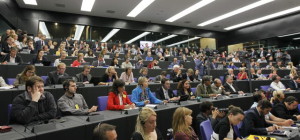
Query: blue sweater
(136, 97)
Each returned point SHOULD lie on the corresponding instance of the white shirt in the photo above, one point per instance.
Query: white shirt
(277, 86)
(166, 93)
(236, 60)
(232, 87)
(12, 59)
(120, 99)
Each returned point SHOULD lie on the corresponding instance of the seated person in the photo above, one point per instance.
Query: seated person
(99, 62)
(230, 72)
(146, 126)
(34, 104)
(109, 76)
(287, 109)
(242, 75)
(40, 58)
(118, 92)
(72, 103)
(21, 78)
(176, 75)
(175, 62)
(152, 64)
(164, 92)
(90, 54)
(78, 61)
(53, 77)
(277, 85)
(181, 124)
(139, 64)
(260, 76)
(115, 62)
(253, 74)
(144, 73)
(204, 90)
(236, 59)
(224, 129)
(12, 57)
(105, 131)
(149, 57)
(142, 95)
(278, 97)
(189, 75)
(217, 87)
(255, 123)
(2, 82)
(127, 76)
(162, 75)
(231, 88)
(184, 88)
(294, 84)
(63, 56)
(279, 65)
(85, 75)
(231, 66)
(126, 63)
(274, 72)
(160, 57)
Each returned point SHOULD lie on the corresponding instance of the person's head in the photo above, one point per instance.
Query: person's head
(291, 102)
(206, 107)
(40, 53)
(13, 52)
(115, 61)
(86, 70)
(165, 83)
(230, 71)
(110, 70)
(63, 55)
(118, 86)
(105, 131)
(61, 68)
(278, 95)
(235, 115)
(190, 72)
(176, 68)
(274, 71)
(264, 106)
(259, 95)
(163, 74)
(70, 86)
(184, 85)
(279, 63)
(80, 57)
(100, 57)
(146, 122)
(217, 82)
(175, 60)
(182, 120)
(144, 71)
(128, 70)
(242, 70)
(149, 54)
(206, 80)
(229, 79)
(143, 82)
(34, 83)
(259, 71)
(276, 78)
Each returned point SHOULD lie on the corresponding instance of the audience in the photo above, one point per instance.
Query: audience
(204, 90)
(63, 56)
(217, 87)
(162, 75)
(3, 83)
(127, 76)
(40, 58)
(126, 63)
(277, 85)
(294, 84)
(287, 109)
(176, 75)
(115, 62)
(12, 57)
(231, 88)
(242, 75)
(99, 62)
(109, 76)
(184, 88)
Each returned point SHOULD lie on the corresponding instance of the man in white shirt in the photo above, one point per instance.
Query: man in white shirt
(262, 60)
(277, 85)
(236, 59)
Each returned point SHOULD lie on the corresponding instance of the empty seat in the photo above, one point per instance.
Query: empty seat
(102, 103)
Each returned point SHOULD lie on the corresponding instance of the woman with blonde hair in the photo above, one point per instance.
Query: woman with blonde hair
(290, 65)
(278, 97)
(182, 121)
(28, 72)
(145, 128)
(109, 76)
(293, 73)
(78, 61)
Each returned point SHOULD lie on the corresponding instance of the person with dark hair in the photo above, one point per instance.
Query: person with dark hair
(257, 96)
(184, 88)
(85, 75)
(99, 62)
(12, 57)
(72, 103)
(217, 87)
(162, 75)
(294, 84)
(277, 85)
(127, 75)
(255, 123)
(126, 63)
(28, 72)
(287, 109)
(105, 132)
(40, 58)
(231, 88)
(34, 104)
(204, 90)
(117, 98)
(54, 76)
(224, 129)
(115, 62)
(165, 93)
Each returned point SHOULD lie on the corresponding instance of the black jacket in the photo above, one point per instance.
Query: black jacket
(222, 128)
(175, 78)
(18, 59)
(280, 110)
(53, 78)
(160, 94)
(229, 89)
(138, 136)
(25, 111)
(254, 124)
(292, 85)
(184, 76)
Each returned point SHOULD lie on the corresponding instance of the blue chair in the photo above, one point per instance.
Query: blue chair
(175, 92)
(129, 96)
(265, 88)
(44, 78)
(152, 79)
(193, 90)
(135, 79)
(11, 81)
(237, 127)
(222, 79)
(9, 112)
(168, 76)
(102, 103)
(206, 130)
(299, 107)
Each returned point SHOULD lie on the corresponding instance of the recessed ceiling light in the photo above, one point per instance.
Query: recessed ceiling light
(30, 2)
(281, 13)
(137, 37)
(87, 5)
(235, 12)
(140, 7)
(184, 41)
(110, 34)
(189, 10)
(165, 38)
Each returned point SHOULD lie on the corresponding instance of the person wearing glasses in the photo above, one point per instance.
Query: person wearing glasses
(21, 78)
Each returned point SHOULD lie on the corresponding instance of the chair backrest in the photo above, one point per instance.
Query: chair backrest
(44, 78)
(102, 103)
(152, 79)
(206, 130)
(175, 92)
(193, 90)
(9, 112)
(168, 76)
(265, 88)
(299, 107)
(222, 79)
(11, 81)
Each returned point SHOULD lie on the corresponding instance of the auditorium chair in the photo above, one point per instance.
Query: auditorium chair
(206, 130)
(44, 78)
(9, 107)
(102, 102)
(10, 81)
(193, 90)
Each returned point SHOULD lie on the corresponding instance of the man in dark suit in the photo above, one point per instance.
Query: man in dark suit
(287, 109)
(255, 123)
(8, 45)
(176, 75)
(53, 77)
(262, 53)
(189, 75)
(40, 43)
(230, 87)
(99, 62)
(213, 65)
(204, 90)
(12, 57)
(85, 75)
(253, 53)
(95, 45)
(165, 93)
(294, 84)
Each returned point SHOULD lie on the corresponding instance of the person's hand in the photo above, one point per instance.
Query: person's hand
(240, 92)
(5, 62)
(179, 72)
(127, 106)
(193, 97)
(165, 101)
(35, 94)
(288, 122)
(133, 106)
(215, 113)
(272, 128)
(212, 95)
(86, 82)
(146, 102)
(298, 117)
(93, 109)
(288, 89)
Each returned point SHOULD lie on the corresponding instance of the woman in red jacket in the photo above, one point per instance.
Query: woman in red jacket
(78, 61)
(117, 98)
